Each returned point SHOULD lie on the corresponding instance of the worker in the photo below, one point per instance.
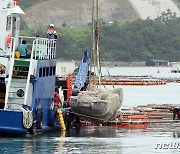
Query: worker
(22, 48)
(75, 91)
(176, 113)
(57, 100)
(51, 33)
(52, 36)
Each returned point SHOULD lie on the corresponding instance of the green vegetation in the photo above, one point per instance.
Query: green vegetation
(136, 41)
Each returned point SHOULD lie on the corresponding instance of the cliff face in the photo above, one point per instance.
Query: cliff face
(77, 12)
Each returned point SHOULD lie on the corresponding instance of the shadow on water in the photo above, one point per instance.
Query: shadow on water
(92, 131)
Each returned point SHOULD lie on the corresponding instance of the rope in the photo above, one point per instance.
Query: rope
(27, 118)
(109, 74)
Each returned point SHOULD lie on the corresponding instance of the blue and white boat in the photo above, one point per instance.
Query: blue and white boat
(27, 85)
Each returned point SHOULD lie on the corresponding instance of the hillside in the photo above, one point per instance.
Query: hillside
(139, 40)
(75, 12)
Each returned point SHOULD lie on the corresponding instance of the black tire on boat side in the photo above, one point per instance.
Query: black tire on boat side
(53, 118)
(39, 122)
(31, 130)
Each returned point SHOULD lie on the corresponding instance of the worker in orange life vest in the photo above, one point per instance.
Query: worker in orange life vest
(57, 101)
(51, 33)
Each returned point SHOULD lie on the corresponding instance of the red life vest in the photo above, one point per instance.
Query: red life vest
(56, 99)
(50, 31)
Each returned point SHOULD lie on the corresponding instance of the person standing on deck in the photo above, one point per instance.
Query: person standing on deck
(51, 33)
(57, 100)
(176, 112)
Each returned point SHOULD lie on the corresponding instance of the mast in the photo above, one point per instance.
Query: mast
(95, 49)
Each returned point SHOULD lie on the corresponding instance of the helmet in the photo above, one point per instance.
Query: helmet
(51, 25)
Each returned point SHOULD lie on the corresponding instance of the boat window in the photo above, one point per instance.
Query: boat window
(8, 24)
(54, 70)
(51, 70)
(47, 71)
(44, 71)
(63, 69)
(40, 72)
(20, 71)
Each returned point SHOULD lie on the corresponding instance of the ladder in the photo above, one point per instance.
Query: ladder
(18, 84)
(82, 71)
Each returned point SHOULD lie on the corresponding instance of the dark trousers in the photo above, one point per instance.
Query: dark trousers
(176, 113)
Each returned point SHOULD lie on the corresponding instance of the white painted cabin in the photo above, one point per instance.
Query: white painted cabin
(64, 68)
(176, 67)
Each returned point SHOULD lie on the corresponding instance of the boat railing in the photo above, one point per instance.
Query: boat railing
(10, 71)
(11, 3)
(41, 48)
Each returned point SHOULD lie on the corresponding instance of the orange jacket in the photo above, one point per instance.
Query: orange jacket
(56, 98)
(51, 31)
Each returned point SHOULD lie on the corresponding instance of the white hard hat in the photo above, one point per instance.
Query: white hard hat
(51, 25)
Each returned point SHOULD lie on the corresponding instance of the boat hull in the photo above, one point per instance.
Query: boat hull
(12, 122)
(97, 106)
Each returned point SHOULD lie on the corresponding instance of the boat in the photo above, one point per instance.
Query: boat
(93, 103)
(26, 84)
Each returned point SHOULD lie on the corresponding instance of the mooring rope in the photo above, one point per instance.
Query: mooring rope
(86, 116)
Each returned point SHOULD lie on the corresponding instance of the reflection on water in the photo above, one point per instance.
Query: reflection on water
(96, 140)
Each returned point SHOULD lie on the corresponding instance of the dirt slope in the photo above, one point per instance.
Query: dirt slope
(77, 12)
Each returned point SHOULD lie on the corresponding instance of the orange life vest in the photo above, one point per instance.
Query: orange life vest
(50, 31)
(56, 99)
(8, 41)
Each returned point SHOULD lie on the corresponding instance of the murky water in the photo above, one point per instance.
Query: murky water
(110, 140)
(156, 138)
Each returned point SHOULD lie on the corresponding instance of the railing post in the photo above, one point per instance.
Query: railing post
(10, 73)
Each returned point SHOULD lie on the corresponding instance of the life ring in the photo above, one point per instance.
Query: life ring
(8, 41)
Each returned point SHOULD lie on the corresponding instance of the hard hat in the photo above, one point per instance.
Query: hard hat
(51, 25)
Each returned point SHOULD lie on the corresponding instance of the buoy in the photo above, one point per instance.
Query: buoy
(8, 41)
(61, 120)
(17, 54)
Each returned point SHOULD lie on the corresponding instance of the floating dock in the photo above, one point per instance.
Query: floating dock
(141, 116)
(130, 80)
